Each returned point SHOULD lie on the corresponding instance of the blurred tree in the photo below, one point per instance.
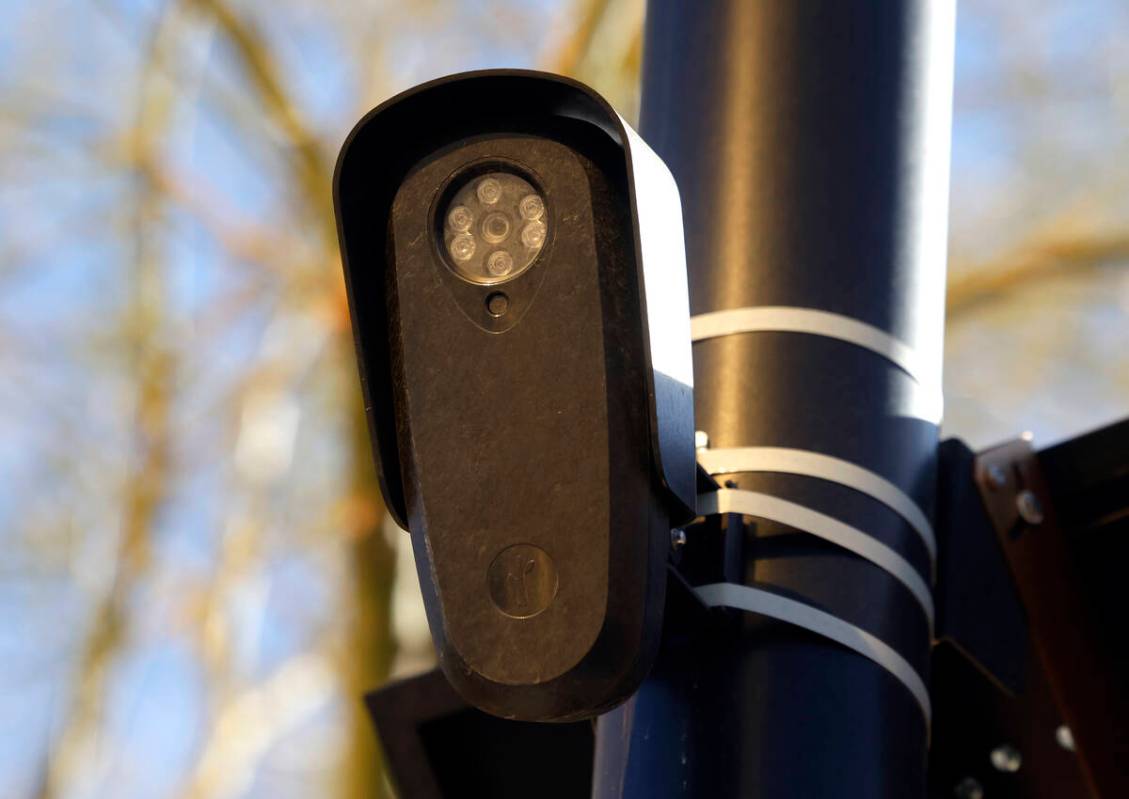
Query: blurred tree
(248, 541)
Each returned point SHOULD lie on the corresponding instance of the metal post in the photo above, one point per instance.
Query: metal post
(810, 143)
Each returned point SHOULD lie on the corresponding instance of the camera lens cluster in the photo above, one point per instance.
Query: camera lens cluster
(494, 227)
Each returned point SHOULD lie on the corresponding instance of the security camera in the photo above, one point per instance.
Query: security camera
(516, 277)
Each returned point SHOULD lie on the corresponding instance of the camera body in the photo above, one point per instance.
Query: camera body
(516, 277)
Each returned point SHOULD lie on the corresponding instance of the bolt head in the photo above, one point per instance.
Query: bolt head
(677, 538)
(1029, 507)
(1065, 737)
(1006, 758)
(997, 477)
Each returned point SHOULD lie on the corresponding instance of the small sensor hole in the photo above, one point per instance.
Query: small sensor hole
(497, 304)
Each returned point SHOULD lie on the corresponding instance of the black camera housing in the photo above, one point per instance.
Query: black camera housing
(522, 430)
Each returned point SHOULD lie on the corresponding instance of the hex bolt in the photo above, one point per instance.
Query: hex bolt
(1029, 506)
(677, 538)
(1065, 737)
(997, 477)
(1006, 758)
(968, 788)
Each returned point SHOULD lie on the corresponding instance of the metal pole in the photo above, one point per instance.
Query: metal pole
(810, 143)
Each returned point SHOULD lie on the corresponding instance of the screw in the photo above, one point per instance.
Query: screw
(1006, 758)
(701, 439)
(1030, 508)
(677, 538)
(1065, 737)
(997, 477)
(968, 788)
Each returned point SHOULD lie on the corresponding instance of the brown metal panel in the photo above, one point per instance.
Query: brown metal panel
(1091, 694)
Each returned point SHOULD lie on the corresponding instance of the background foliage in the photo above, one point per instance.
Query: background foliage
(196, 578)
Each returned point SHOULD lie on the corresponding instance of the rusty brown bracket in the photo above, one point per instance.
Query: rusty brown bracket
(1090, 693)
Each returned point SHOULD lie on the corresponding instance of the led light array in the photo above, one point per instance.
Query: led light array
(494, 227)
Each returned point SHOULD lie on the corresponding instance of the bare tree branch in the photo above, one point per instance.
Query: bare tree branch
(366, 662)
(1044, 255)
(148, 485)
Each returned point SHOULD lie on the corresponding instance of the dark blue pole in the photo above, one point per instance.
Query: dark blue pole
(810, 144)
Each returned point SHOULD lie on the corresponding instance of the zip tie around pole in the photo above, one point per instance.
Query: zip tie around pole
(773, 459)
(770, 318)
(823, 467)
(809, 320)
(731, 500)
(766, 603)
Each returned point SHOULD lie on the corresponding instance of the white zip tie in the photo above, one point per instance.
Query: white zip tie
(823, 467)
(731, 500)
(766, 603)
(770, 318)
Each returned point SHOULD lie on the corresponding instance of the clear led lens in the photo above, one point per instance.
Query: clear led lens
(500, 263)
(463, 247)
(531, 207)
(460, 218)
(533, 234)
(489, 190)
(494, 227)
